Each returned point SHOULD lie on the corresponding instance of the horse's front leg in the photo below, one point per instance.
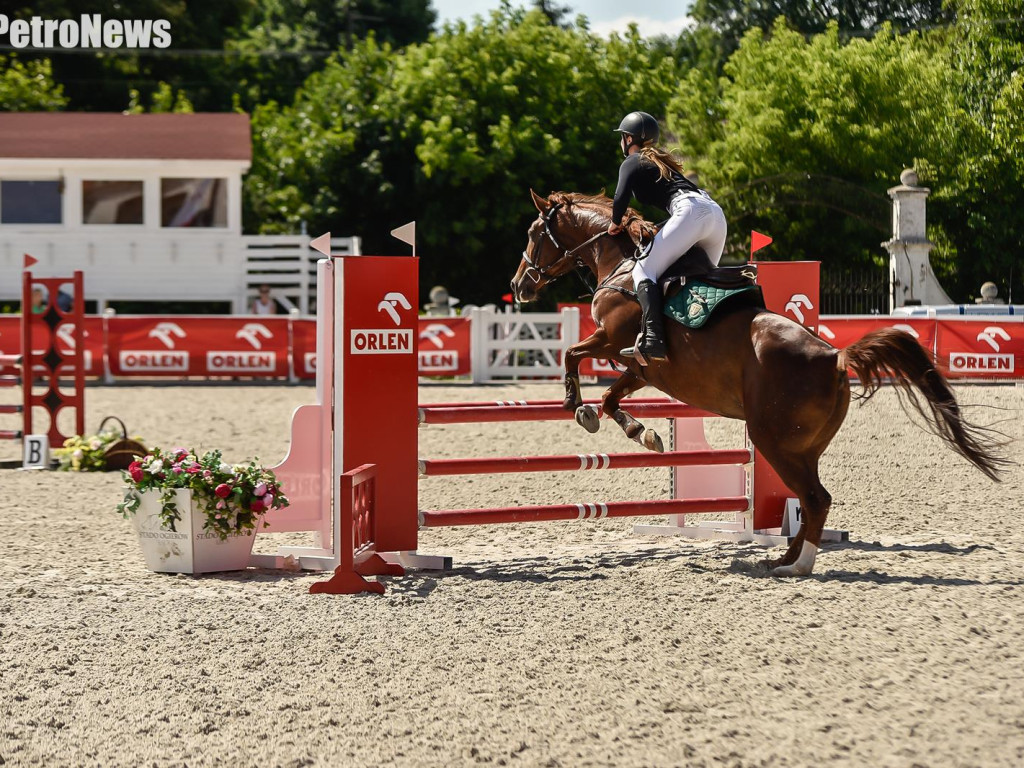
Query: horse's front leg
(595, 345)
(625, 385)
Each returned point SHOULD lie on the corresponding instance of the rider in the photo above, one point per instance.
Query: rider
(654, 177)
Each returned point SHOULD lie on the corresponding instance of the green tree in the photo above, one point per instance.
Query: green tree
(29, 86)
(453, 133)
(802, 138)
(978, 207)
(730, 19)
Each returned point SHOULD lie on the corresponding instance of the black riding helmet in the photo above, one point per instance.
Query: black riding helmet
(641, 126)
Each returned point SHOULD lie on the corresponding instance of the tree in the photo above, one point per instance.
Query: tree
(730, 19)
(802, 138)
(28, 86)
(453, 133)
(978, 208)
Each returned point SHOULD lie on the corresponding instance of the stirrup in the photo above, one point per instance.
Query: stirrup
(640, 357)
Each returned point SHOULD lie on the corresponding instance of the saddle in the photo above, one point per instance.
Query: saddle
(695, 265)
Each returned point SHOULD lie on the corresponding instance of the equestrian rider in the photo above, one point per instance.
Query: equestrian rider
(654, 177)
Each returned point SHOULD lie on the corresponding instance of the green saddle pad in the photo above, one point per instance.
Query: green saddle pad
(693, 305)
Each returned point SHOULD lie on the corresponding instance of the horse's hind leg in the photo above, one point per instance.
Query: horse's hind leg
(800, 473)
(625, 385)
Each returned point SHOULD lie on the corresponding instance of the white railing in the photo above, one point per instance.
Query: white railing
(517, 345)
(288, 265)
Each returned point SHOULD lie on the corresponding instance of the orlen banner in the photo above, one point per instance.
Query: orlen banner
(198, 346)
(981, 348)
(791, 289)
(842, 330)
(10, 341)
(304, 348)
(444, 346)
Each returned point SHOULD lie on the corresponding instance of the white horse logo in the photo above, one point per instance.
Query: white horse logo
(390, 301)
(252, 332)
(990, 334)
(434, 331)
(796, 304)
(164, 332)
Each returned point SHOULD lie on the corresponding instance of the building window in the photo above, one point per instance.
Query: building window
(193, 202)
(30, 202)
(112, 202)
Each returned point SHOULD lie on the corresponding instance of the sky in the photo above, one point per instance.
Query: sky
(654, 17)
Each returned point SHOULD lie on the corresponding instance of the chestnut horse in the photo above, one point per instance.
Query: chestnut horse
(789, 386)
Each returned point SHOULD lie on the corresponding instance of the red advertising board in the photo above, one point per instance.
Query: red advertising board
(377, 337)
(981, 348)
(791, 288)
(198, 346)
(444, 346)
(304, 348)
(842, 330)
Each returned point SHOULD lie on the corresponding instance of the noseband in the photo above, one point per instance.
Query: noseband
(538, 273)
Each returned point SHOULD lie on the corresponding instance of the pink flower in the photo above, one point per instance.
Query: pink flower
(268, 500)
(135, 470)
(221, 505)
(223, 490)
(195, 469)
(207, 473)
(176, 469)
(261, 490)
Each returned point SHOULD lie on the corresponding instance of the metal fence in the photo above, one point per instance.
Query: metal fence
(855, 292)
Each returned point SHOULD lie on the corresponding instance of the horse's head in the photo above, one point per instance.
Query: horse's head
(558, 240)
(545, 257)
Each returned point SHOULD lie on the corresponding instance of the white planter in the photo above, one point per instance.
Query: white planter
(189, 548)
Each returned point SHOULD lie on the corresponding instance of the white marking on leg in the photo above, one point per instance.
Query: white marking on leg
(803, 565)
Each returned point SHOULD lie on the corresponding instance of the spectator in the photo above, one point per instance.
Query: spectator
(264, 303)
(39, 298)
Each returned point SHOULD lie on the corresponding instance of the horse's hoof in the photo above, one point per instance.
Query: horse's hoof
(791, 570)
(586, 417)
(651, 440)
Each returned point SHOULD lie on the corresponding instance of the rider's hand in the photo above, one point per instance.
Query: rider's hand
(614, 229)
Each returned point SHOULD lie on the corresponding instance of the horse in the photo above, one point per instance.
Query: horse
(790, 387)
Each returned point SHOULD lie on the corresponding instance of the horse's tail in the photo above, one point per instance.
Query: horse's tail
(893, 353)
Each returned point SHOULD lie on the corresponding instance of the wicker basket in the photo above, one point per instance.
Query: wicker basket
(120, 453)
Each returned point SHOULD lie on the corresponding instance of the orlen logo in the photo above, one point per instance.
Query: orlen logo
(156, 361)
(439, 359)
(796, 305)
(970, 362)
(384, 341)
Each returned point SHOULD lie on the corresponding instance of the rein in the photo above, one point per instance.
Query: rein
(537, 273)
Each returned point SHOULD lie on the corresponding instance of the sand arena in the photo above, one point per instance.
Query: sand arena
(555, 644)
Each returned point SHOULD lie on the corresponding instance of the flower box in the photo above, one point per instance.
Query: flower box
(190, 548)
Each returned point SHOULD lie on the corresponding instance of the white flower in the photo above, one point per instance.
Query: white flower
(156, 466)
(225, 467)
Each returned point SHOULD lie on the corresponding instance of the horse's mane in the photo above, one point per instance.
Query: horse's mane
(600, 209)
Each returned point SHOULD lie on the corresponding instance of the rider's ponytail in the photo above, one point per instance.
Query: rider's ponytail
(666, 162)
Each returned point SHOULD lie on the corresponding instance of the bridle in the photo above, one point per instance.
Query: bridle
(538, 273)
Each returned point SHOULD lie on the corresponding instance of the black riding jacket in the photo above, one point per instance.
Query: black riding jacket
(640, 178)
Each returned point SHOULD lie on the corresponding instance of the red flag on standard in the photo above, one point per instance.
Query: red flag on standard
(29, 261)
(758, 241)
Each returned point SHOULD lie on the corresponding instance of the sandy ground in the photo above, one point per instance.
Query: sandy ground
(552, 644)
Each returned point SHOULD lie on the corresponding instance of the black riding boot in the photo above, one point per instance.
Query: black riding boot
(651, 341)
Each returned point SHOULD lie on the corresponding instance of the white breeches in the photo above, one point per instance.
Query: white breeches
(696, 219)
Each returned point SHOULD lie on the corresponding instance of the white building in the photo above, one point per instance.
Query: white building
(148, 206)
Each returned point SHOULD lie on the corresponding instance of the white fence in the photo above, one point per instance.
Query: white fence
(517, 345)
(288, 265)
